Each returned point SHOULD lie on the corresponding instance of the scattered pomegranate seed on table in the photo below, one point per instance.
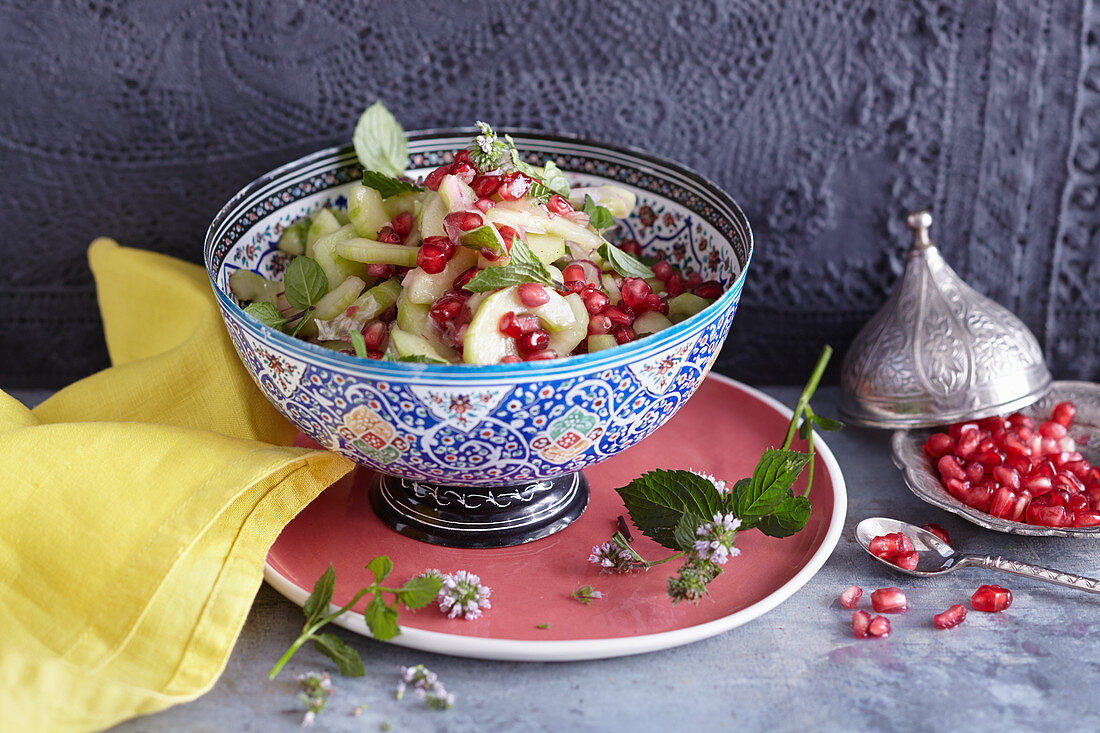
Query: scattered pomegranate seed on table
(889, 600)
(880, 626)
(850, 596)
(861, 622)
(991, 599)
(950, 618)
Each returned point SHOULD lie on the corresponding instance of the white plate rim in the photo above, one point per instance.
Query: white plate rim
(523, 650)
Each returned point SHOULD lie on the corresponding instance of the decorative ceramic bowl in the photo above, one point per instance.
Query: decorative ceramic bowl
(485, 456)
(923, 479)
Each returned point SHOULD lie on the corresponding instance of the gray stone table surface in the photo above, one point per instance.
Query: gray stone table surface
(795, 668)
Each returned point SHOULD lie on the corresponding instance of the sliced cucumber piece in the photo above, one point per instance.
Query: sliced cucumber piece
(248, 285)
(381, 297)
(366, 211)
(369, 251)
(520, 215)
(336, 267)
(599, 342)
(485, 344)
(293, 239)
(566, 338)
(324, 222)
(546, 247)
(618, 201)
(611, 288)
(409, 202)
(421, 287)
(456, 194)
(650, 322)
(411, 316)
(571, 231)
(336, 300)
(430, 221)
(685, 305)
(410, 344)
(340, 214)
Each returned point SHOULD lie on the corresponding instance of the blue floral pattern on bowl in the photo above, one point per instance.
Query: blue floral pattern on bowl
(494, 425)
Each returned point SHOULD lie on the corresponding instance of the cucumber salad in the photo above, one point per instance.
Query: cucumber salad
(487, 259)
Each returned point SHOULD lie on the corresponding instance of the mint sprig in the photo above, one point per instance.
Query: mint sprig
(266, 313)
(380, 142)
(621, 262)
(522, 267)
(381, 617)
(598, 216)
(387, 186)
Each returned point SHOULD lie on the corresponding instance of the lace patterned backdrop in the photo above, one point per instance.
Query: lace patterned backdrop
(825, 119)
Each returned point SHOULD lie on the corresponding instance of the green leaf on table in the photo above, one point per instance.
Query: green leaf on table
(788, 518)
(684, 533)
(554, 179)
(522, 267)
(381, 619)
(347, 659)
(380, 142)
(266, 313)
(770, 485)
(304, 282)
(318, 601)
(598, 216)
(625, 264)
(657, 500)
(388, 186)
(381, 567)
(419, 591)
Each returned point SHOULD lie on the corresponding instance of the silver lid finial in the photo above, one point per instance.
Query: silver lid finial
(920, 222)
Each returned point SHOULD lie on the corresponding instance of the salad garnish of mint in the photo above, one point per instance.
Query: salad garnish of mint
(487, 259)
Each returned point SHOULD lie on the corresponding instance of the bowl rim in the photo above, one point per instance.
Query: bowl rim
(624, 353)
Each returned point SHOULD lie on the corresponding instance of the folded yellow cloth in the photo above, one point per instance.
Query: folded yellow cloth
(138, 506)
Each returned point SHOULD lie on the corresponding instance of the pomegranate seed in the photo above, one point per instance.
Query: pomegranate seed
(595, 301)
(889, 546)
(975, 472)
(617, 316)
(484, 205)
(462, 156)
(1086, 518)
(464, 220)
(968, 443)
(989, 458)
(485, 186)
(533, 341)
(880, 627)
(1077, 503)
(979, 497)
(507, 325)
(674, 285)
(850, 596)
(513, 186)
(991, 599)
(623, 334)
(599, 324)
(710, 290)
(432, 180)
(949, 467)
(653, 302)
(447, 308)
(694, 280)
(1048, 515)
(375, 334)
(1063, 413)
(463, 170)
(662, 270)
(509, 235)
(510, 359)
(380, 271)
(541, 355)
(1051, 429)
(1003, 502)
(402, 224)
(861, 622)
(992, 423)
(889, 600)
(573, 273)
(950, 618)
(938, 531)
(532, 295)
(388, 235)
(631, 247)
(461, 281)
(634, 291)
(939, 444)
(907, 560)
(1007, 477)
(431, 258)
(558, 205)
(527, 322)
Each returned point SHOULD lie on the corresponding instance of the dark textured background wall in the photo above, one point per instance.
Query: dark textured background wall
(825, 119)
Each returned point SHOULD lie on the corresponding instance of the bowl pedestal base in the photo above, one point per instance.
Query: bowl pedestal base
(476, 516)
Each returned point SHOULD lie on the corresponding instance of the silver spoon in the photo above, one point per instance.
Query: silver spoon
(936, 557)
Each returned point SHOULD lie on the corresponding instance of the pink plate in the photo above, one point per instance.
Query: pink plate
(722, 430)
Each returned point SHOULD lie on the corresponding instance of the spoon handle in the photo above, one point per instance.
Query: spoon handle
(1016, 567)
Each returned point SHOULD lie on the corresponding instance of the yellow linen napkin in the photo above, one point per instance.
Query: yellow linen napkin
(138, 507)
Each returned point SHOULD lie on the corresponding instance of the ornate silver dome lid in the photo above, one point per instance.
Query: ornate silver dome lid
(938, 351)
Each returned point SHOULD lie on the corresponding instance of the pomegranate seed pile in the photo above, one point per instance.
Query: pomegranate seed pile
(1012, 469)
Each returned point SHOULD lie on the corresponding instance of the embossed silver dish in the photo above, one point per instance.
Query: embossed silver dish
(907, 448)
(938, 351)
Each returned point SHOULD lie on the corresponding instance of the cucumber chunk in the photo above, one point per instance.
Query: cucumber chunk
(410, 344)
(566, 338)
(324, 222)
(422, 287)
(365, 211)
(293, 239)
(248, 285)
(650, 322)
(430, 221)
(599, 342)
(336, 300)
(485, 344)
(336, 267)
(685, 305)
(618, 201)
(369, 251)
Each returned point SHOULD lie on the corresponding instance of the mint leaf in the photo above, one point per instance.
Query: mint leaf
(419, 592)
(381, 619)
(387, 186)
(485, 237)
(317, 603)
(381, 567)
(684, 533)
(599, 217)
(770, 485)
(360, 344)
(827, 423)
(347, 659)
(419, 359)
(266, 313)
(522, 267)
(304, 282)
(625, 264)
(554, 179)
(788, 518)
(657, 500)
(380, 142)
